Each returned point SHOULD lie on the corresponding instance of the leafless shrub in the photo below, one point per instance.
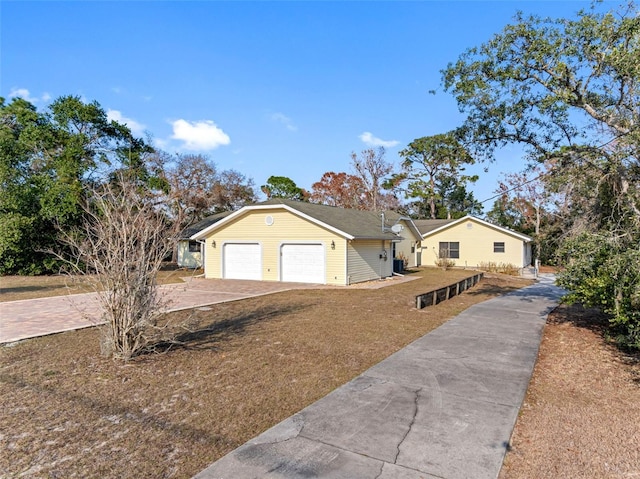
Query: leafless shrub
(405, 260)
(445, 263)
(120, 246)
(494, 267)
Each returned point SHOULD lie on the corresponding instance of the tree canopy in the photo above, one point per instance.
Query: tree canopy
(339, 189)
(46, 159)
(198, 189)
(431, 165)
(283, 187)
(548, 83)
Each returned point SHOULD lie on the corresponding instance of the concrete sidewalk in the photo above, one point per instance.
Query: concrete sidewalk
(443, 407)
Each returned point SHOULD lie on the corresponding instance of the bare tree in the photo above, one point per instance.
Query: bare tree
(371, 168)
(232, 190)
(192, 179)
(121, 245)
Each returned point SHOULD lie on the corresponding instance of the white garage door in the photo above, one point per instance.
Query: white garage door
(242, 261)
(303, 263)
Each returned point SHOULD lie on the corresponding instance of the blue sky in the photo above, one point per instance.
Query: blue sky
(285, 88)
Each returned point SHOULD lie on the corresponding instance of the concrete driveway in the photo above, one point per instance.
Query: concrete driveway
(38, 317)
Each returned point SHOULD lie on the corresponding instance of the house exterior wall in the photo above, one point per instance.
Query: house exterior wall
(187, 259)
(364, 263)
(408, 246)
(476, 246)
(285, 228)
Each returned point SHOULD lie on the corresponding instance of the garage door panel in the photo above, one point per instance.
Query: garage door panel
(242, 261)
(303, 263)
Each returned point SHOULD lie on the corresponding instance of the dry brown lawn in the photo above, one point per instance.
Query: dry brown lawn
(67, 412)
(581, 415)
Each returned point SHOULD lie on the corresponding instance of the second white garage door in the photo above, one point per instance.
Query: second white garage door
(303, 263)
(242, 261)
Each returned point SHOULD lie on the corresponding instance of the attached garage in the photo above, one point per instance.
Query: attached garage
(302, 263)
(241, 261)
(290, 241)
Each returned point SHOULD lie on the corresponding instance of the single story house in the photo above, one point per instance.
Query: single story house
(284, 240)
(190, 252)
(471, 242)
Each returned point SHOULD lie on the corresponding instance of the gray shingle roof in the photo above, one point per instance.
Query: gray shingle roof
(356, 223)
(202, 224)
(427, 226)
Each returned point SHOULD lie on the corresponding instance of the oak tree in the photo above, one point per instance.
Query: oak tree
(47, 161)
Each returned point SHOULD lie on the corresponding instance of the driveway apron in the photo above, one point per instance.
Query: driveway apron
(442, 407)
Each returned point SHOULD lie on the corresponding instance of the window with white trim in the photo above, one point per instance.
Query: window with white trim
(449, 249)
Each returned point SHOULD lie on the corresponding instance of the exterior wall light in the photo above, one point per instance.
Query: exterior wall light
(213, 243)
(333, 244)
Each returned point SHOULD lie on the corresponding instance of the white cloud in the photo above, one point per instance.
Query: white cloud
(199, 135)
(285, 120)
(161, 143)
(21, 93)
(370, 140)
(26, 95)
(136, 128)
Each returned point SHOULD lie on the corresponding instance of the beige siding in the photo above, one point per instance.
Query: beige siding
(286, 228)
(408, 246)
(187, 259)
(364, 263)
(476, 245)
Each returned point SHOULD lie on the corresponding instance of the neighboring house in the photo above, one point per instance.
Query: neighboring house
(284, 240)
(470, 242)
(190, 251)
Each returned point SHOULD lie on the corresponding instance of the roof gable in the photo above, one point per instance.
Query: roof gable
(349, 223)
(429, 229)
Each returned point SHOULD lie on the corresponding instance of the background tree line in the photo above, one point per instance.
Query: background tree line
(429, 184)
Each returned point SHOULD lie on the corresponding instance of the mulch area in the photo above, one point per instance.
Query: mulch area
(581, 415)
(66, 411)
